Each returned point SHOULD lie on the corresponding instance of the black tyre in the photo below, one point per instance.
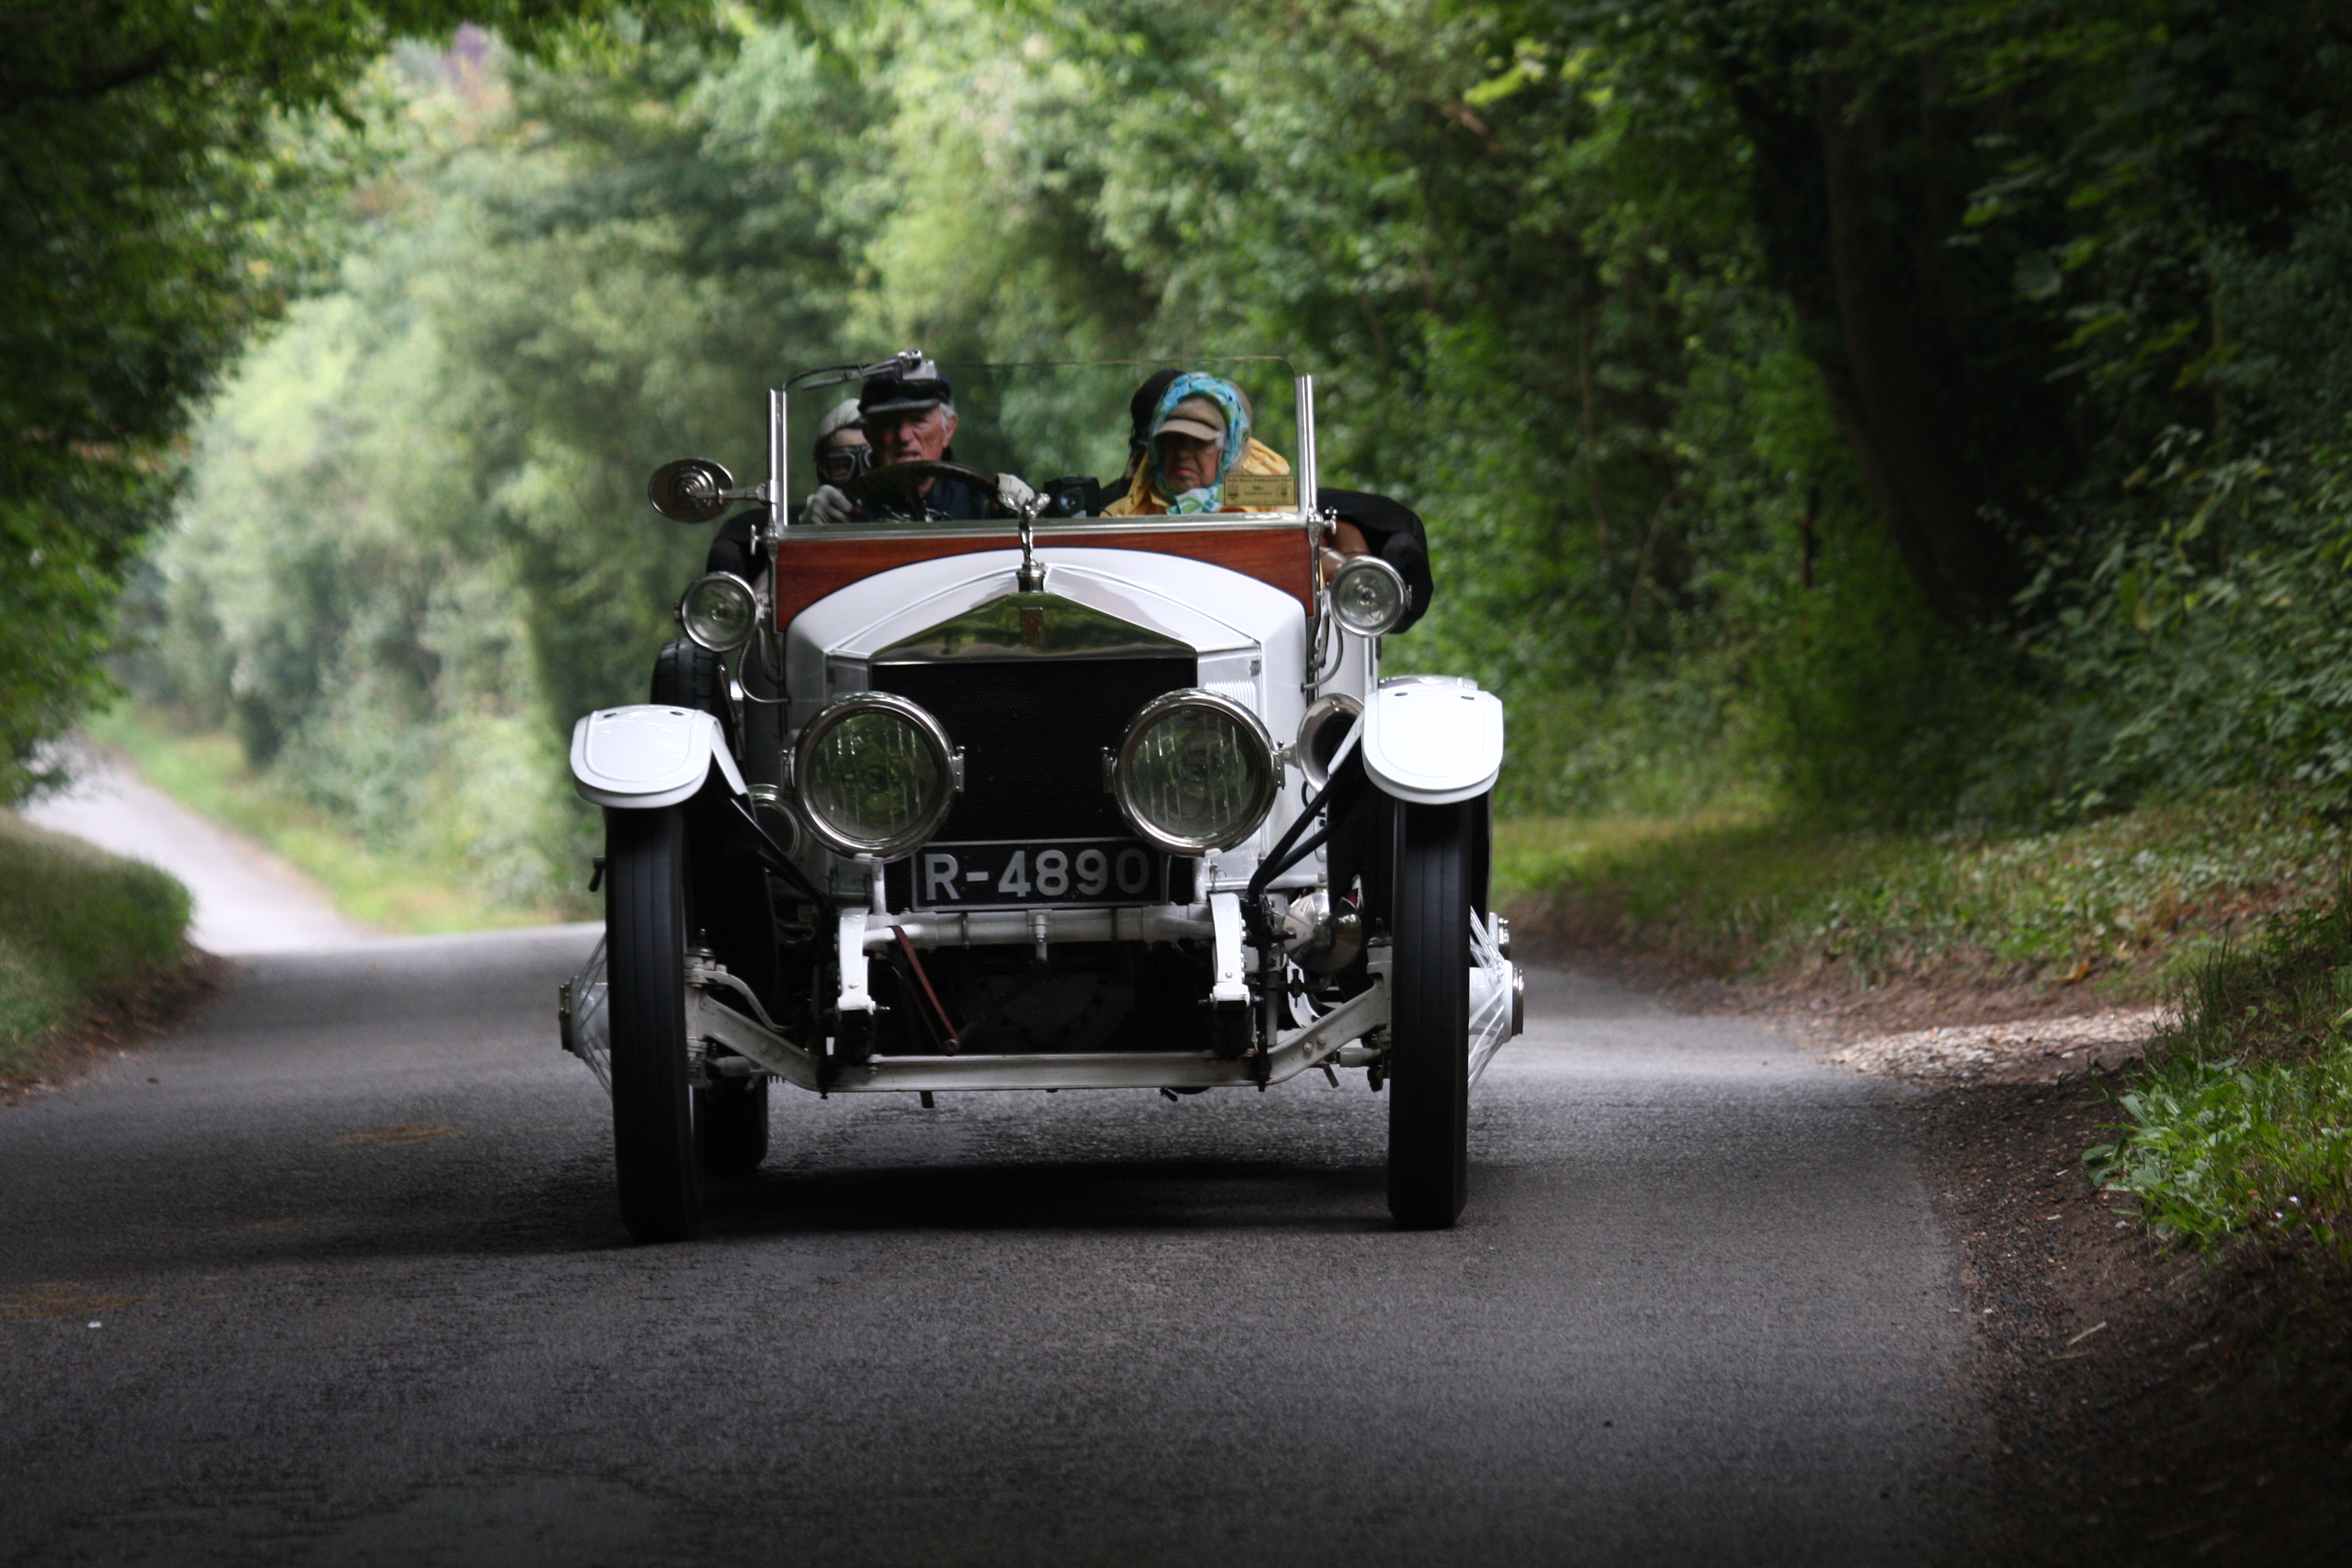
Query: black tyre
(729, 912)
(1429, 1015)
(730, 1126)
(653, 1155)
(687, 675)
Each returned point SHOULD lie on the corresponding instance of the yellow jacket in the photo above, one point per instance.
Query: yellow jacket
(1143, 500)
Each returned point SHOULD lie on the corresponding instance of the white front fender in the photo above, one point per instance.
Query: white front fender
(1432, 739)
(647, 756)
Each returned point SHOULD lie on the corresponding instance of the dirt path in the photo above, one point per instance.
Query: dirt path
(247, 899)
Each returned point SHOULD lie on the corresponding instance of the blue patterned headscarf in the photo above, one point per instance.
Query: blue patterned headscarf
(1225, 395)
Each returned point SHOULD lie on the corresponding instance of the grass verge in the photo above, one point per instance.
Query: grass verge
(2239, 1122)
(402, 893)
(2128, 901)
(74, 921)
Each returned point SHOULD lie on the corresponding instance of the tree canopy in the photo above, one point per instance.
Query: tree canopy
(165, 167)
(1920, 408)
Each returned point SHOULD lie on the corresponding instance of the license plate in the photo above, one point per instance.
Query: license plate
(1044, 872)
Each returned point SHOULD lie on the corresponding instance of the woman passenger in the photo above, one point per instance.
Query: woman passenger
(1200, 439)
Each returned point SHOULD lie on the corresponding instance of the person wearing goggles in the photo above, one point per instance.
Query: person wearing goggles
(842, 453)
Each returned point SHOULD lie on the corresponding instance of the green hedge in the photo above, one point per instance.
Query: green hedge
(73, 920)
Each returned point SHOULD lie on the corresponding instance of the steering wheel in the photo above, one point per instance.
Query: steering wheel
(895, 489)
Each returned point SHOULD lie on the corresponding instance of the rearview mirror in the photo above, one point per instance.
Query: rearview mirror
(692, 489)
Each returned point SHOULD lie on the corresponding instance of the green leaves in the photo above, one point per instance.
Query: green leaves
(2239, 1122)
(166, 163)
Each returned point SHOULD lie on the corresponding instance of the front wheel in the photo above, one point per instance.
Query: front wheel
(653, 1155)
(1428, 1013)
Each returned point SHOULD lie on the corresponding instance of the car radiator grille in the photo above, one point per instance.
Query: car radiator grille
(1033, 734)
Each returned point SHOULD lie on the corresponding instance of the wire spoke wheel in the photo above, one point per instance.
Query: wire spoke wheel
(1428, 1013)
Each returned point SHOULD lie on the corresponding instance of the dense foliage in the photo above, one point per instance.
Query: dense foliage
(1907, 409)
(166, 168)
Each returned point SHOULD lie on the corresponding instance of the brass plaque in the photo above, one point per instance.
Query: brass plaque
(1262, 489)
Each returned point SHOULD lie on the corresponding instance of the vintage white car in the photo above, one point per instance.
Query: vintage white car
(929, 805)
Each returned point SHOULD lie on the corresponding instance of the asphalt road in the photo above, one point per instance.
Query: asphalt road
(336, 1277)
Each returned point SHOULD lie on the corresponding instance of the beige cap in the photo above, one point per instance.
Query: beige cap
(1199, 417)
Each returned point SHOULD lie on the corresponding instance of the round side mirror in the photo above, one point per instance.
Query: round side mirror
(692, 489)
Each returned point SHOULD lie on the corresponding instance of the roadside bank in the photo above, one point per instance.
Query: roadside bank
(93, 953)
(2134, 1106)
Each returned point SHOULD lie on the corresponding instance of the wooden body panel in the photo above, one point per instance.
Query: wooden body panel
(812, 563)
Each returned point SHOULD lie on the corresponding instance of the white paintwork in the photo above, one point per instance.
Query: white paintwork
(1295, 1051)
(1225, 915)
(1210, 609)
(850, 950)
(647, 756)
(1432, 742)
(1249, 636)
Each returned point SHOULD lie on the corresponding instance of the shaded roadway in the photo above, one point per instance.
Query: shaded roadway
(335, 1276)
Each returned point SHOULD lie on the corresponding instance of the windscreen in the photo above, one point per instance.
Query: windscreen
(1050, 421)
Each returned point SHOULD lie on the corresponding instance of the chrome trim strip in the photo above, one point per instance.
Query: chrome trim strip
(777, 430)
(1309, 479)
(1063, 922)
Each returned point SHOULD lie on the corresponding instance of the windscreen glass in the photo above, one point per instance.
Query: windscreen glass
(1059, 422)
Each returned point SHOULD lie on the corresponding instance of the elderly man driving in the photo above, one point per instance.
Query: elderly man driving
(910, 417)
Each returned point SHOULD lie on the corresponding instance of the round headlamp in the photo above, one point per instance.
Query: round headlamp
(1196, 772)
(1369, 595)
(718, 611)
(874, 776)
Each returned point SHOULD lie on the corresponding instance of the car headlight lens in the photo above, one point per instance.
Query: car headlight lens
(1369, 595)
(874, 774)
(1196, 772)
(719, 612)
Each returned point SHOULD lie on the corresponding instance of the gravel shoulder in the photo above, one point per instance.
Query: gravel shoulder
(2153, 1406)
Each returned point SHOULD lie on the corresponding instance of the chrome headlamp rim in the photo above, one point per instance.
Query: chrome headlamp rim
(831, 718)
(1356, 565)
(1122, 770)
(686, 621)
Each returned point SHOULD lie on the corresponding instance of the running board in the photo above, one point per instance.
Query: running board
(710, 1020)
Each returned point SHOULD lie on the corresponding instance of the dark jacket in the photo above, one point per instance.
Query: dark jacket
(1394, 532)
(731, 549)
